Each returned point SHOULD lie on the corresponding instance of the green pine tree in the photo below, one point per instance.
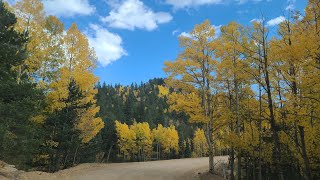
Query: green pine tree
(19, 101)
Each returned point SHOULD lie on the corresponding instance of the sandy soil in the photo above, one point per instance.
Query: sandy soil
(186, 169)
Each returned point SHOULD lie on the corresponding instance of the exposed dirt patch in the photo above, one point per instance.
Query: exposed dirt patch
(209, 176)
(186, 169)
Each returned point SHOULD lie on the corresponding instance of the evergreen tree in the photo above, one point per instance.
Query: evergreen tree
(19, 102)
(64, 140)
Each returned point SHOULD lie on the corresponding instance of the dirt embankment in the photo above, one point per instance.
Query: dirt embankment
(186, 169)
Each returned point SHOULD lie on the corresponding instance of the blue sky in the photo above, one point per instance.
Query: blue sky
(133, 38)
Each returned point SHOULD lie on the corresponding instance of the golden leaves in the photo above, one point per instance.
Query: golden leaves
(126, 138)
(144, 137)
(163, 91)
(168, 138)
(189, 103)
(200, 146)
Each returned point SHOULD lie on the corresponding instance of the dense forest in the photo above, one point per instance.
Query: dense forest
(245, 94)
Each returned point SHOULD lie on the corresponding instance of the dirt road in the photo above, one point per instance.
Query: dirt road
(156, 170)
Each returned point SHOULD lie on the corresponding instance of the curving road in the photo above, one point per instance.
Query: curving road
(156, 170)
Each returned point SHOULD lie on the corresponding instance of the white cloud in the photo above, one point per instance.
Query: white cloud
(108, 46)
(245, 1)
(180, 4)
(67, 8)
(276, 21)
(131, 14)
(185, 34)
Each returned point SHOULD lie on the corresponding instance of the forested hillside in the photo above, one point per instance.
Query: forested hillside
(141, 104)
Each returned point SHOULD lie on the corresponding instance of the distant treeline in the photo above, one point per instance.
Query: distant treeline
(142, 104)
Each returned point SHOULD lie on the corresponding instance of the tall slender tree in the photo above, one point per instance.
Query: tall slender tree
(192, 72)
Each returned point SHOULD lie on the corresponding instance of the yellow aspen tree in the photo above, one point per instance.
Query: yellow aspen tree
(126, 139)
(158, 135)
(53, 45)
(297, 54)
(43, 42)
(166, 138)
(232, 76)
(172, 139)
(143, 139)
(288, 51)
(192, 73)
(200, 146)
(259, 59)
(78, 66)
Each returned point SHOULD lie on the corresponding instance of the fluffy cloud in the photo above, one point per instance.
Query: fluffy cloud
(131, 14)
(191, 3)
(185, 34)
(180, 4)
(276, 21)
(67, 8)
(107, 45)
(244, 1)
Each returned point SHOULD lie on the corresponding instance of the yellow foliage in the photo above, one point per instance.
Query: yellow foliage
(78, 66)
(190, 104)
(143, 137)
(200, 146)
(168, 138)
(163, 91)
(126, 139)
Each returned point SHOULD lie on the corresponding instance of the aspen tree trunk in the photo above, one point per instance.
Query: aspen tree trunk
(109, 152)
(300, 130)
(260, 129)
(232, 130)
(304, 154)
(232, 163)
(274, 127)
(238, 125)
(211, 148)
(75, 156)
(292, 72)
(211, 152)
(207, 109)
(260, 117)
(65, 159)
(158, 151)
(209, 114)
(252, 161)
